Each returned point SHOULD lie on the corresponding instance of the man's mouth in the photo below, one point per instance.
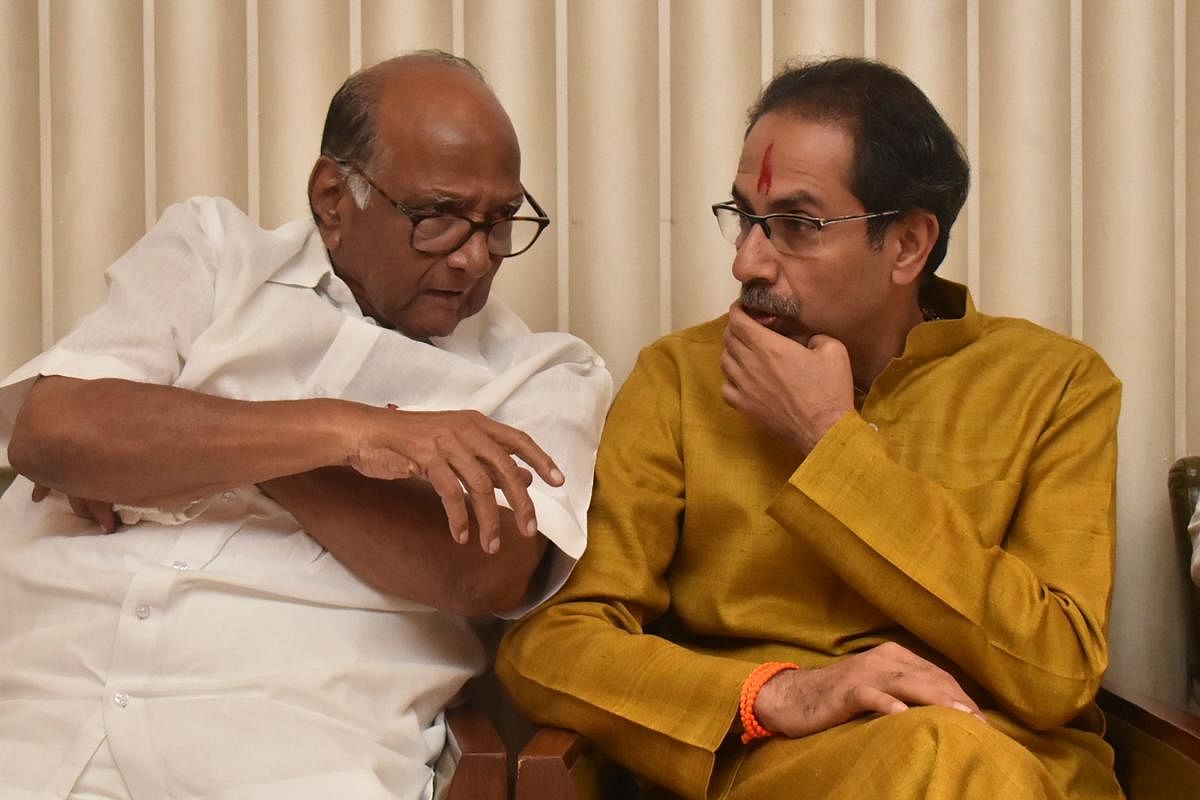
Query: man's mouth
(446, 294)
(763, 317)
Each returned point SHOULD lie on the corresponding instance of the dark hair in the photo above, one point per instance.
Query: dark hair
(906, 157)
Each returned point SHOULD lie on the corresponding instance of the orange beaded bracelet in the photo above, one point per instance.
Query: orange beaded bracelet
(751, 728)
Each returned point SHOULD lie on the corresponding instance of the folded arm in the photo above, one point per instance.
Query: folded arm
(392, 534)
(143, 444)
(1018, 600)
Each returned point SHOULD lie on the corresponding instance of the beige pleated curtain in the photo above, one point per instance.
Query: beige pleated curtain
(1077, 116)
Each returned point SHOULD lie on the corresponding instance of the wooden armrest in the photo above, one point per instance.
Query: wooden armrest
(482, 771)
(544, 767)
(1173, 727)
(1156, 748)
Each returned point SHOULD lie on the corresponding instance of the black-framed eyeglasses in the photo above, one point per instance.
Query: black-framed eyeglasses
(791, 234)
(437, 234)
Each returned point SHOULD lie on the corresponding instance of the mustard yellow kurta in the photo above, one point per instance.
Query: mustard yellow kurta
(965, 512)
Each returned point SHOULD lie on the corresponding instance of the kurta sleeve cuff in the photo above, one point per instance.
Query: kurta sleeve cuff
(667, 716)
(848, 451)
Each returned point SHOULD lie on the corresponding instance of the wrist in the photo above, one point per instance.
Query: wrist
(342, 427)
(759, 699)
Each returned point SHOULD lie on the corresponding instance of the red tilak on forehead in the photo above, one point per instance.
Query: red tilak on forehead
(764, 172)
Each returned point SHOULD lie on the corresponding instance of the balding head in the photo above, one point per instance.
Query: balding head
(383, 95)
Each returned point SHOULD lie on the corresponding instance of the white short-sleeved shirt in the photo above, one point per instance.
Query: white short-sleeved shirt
(228, 655)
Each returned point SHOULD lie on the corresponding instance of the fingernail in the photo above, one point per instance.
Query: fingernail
(493, 546)
(962, 707)
(460, 537)
(531, 527)
(556, 476)
(897, 707)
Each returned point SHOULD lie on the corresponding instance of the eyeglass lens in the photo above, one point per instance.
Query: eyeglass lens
(789, 234)
(443, 234)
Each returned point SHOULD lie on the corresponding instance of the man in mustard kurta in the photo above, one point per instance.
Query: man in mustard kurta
(854, 539)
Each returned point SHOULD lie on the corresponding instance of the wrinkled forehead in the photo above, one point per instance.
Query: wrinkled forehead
(456, 138)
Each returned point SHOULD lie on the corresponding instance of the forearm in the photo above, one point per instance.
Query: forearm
(906, 544)
(146, 444)
(394, 535)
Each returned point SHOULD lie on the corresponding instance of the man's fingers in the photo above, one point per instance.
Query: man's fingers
(480, 492)
(524, 447)
(736, 349)
(863, 699)
(40, 493)
(730, 365)
(103, 513)
(509, 476)
(730, 394)
(483, 467)
(741, 327)
(79, 507)
(446, 484)
(526, 476)
(926, 688)
(487, 519)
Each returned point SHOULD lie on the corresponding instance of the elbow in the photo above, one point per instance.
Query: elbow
(493, 593)
(1056, 700)
(503, 580)
(38, 449)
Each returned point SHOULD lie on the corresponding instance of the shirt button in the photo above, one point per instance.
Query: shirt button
(319, 391)
(228, 497)
(142, 611)
(179, 565)
(121, 699)
(597, 361)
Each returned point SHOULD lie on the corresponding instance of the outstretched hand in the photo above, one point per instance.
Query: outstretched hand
(886, 679)
(795, 391)
(466, 456)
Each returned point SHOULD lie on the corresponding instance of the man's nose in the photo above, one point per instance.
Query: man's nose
(756, 258)
(472, 256)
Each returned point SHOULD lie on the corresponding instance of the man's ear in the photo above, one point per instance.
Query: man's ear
(914, 234)
(327, 194)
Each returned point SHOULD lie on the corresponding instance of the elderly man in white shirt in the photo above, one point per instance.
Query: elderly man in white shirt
(328, 447)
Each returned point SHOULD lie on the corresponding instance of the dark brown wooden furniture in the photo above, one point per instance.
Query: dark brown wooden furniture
(482, 772)
(1183, 487)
